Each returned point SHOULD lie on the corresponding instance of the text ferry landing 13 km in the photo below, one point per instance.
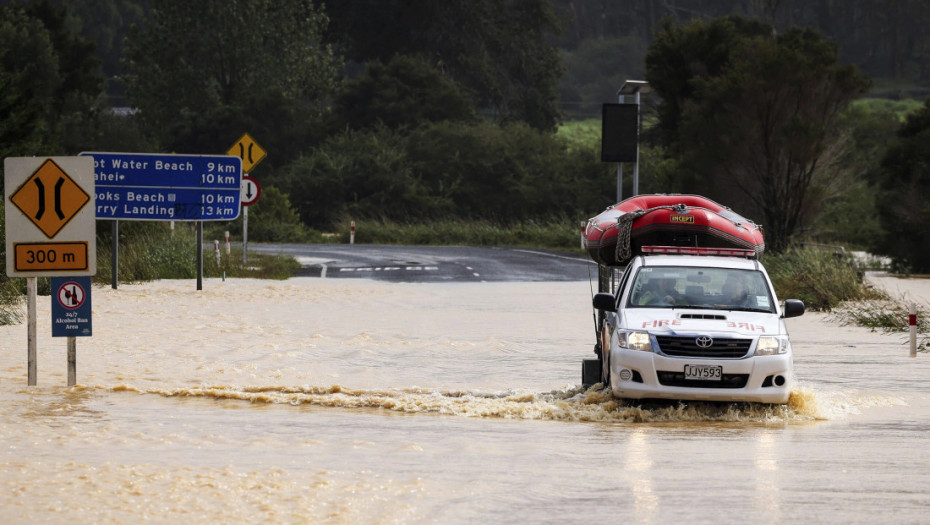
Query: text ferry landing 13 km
(694, 315)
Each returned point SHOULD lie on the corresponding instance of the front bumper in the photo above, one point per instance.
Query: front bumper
(761, 379)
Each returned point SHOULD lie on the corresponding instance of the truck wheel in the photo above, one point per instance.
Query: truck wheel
(605, 356)
(605, 370)
(591, 371)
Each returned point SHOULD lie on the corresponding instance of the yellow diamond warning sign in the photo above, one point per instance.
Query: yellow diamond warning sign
(50, 198)
(248, 150)
(50, 216)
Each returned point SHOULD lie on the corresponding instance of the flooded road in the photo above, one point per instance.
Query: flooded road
(357, 401)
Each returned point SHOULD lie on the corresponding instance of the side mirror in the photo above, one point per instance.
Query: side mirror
(793, 308)
(607, 301)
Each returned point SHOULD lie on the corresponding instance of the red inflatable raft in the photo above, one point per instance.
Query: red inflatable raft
(620, 232)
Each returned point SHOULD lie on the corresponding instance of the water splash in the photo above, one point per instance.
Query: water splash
(572, 404)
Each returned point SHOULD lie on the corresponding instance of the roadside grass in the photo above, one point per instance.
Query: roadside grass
(258, 266)
(557, 234)
(11, 302)
(900, 107)
(158, 252)
(581, 133)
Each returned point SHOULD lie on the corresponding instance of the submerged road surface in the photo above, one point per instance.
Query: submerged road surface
(347, 401)
(435, 263)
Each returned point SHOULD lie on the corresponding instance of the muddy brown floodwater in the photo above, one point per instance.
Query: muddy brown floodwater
(351, 401)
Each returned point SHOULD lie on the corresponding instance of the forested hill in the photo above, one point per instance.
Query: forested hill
(604, 42)
(886, 40)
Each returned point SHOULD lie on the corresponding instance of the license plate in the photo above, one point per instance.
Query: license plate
(704, 372)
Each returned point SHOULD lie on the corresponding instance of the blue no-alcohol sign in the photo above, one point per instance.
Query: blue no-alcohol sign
(163, 187)
(71, 309)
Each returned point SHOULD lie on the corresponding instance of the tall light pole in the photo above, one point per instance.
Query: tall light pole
(631, 87)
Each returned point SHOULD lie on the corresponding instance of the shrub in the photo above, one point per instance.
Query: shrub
(271, 219)
(822, 279)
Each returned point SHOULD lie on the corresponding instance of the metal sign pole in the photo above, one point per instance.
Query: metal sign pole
(245, 234)
(31, 329)
(620, 99)
(636, 165)
(72, 361)
(199, 255)
(114, 271)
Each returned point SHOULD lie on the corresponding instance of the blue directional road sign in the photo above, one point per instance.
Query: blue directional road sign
(71, 309)
(162, 187)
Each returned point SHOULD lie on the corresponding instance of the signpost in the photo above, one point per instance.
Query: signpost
(251, 154)
(250, 191)
(50, 228)
(248, 150)
(50, 231)
(71, 307)
(71, 315)
(164, 187)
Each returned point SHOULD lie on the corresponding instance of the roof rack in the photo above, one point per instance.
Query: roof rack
(694, 250)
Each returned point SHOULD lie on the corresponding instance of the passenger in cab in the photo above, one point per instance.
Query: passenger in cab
(660, 292)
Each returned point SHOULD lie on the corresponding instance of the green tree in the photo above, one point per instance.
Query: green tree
(202, 73)
(496, 49)
(682, 55)
(596, 68)
(405, 92)
(447, 169)
(48, 81)
(29, 79)
(762, 119)
(851, 217)
(904, 183)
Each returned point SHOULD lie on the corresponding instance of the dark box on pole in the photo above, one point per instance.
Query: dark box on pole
(619, 132)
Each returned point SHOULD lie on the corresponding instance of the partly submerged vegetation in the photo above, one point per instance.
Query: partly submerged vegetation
(887, 315)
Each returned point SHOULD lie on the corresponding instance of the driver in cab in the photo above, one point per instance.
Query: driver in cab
(735, 293)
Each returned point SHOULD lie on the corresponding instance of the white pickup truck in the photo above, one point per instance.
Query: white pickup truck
(694, 324)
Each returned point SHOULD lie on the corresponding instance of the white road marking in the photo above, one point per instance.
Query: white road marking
(577, 259)
(390, 269)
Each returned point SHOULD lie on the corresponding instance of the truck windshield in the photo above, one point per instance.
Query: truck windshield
(702, 288)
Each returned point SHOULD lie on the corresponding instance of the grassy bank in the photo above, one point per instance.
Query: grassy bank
(154, 251)
(561, 234)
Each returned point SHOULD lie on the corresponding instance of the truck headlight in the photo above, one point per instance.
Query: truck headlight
(769, 345)
(635, 341)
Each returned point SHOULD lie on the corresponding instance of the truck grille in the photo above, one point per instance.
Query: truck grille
(678, 379)
(678, 346)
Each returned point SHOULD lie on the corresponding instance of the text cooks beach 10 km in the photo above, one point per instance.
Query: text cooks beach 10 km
(167, 187)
